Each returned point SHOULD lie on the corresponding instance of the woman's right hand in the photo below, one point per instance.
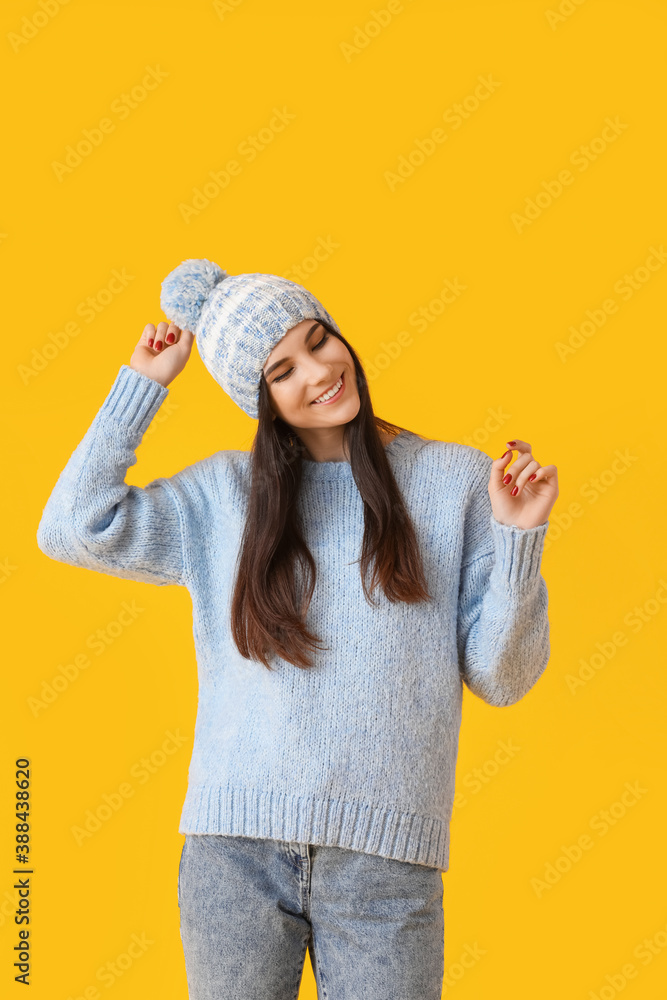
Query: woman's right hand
(165, 363)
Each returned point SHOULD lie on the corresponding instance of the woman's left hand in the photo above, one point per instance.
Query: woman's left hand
(535, 488)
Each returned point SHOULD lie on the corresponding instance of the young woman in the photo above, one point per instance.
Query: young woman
(348, 576)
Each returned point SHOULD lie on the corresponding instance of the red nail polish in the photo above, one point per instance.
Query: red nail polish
(170, 338)
(534, 475)
(150, 342)
(507, 479)
(515, 491)
(510, 443)
(158, 346)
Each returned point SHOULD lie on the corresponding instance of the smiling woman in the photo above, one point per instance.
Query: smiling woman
(315, 406)
(313, 387)
(370, 579)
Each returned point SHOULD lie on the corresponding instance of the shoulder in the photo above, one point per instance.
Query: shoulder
(228, 468)
(451, 457)
(211, 478)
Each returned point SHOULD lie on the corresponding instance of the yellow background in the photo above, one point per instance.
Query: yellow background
(488, 367)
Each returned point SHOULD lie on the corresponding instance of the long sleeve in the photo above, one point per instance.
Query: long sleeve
(94, 519)
(503, 625)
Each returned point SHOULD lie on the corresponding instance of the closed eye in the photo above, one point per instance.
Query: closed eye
(315, 348)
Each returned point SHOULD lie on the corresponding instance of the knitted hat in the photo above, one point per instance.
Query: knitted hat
(237, 320)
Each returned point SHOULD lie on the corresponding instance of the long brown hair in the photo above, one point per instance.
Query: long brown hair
(266, 615)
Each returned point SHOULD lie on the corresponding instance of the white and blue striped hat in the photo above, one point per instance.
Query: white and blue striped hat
(237, 320)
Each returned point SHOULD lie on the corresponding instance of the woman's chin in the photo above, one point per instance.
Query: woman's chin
(340, 413)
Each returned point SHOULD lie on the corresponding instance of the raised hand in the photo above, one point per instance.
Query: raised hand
(525, 494)
(162, 353)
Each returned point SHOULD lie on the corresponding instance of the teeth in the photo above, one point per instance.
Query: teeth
(332, 392)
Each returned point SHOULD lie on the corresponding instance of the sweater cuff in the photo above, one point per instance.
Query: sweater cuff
(133, 400)
(518, 552)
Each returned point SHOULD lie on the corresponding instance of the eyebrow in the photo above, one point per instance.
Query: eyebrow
(282, 361)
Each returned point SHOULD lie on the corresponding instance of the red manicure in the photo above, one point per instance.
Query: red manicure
(515, 491)
(158, 346)
(150, 342)
(170, 338)
(507, 479)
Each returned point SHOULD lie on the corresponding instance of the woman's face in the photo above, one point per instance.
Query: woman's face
(306, 363)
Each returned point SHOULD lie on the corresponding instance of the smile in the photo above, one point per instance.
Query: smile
(332, 394)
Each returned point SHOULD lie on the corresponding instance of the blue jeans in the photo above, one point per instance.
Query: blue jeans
(250, 907)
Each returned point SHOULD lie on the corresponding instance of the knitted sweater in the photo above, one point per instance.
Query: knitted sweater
(360, 750)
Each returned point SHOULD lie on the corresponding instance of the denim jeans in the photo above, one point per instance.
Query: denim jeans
(250, 907)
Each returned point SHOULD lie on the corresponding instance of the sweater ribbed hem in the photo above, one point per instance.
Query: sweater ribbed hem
(518, 552)
(246, 812)
(133, 400)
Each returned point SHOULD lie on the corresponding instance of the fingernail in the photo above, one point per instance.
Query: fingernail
(158, 346)
(514, 491)
(170, 338)
(534, 475)
(150, 342)
(507, 479)
(511, 443)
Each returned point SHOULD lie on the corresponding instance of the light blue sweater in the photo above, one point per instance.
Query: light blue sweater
(360, 750)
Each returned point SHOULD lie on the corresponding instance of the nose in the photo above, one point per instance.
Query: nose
(323, 374)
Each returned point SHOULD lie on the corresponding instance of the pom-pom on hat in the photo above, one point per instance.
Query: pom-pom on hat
(237, 320)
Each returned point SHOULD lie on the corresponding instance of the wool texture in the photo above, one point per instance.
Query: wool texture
(360, 750)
